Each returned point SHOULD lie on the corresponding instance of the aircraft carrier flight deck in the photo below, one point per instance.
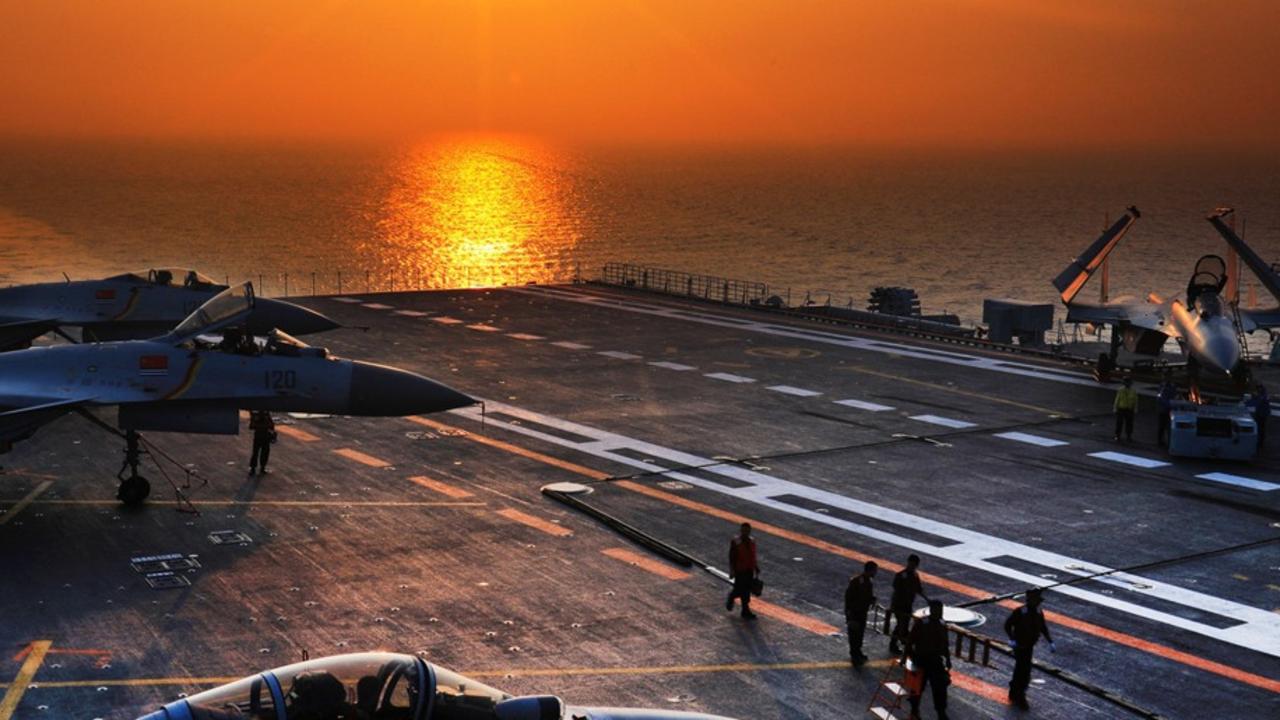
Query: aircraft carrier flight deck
(432, 535)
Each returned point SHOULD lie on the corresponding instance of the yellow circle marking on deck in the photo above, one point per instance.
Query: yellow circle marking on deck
(784, 353)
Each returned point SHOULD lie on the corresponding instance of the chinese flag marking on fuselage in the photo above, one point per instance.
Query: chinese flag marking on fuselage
(153, 365)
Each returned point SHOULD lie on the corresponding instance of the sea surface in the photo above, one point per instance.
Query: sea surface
(466, 211)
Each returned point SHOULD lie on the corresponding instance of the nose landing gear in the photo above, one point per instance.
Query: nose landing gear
(134, 489)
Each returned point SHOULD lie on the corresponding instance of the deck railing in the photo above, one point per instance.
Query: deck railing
(674, 282)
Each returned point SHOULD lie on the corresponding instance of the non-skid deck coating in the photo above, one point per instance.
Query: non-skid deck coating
(429, 534)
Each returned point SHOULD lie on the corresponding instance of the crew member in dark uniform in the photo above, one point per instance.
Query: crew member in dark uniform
(1164, 406)
(859, 596)
(264, 433)
(928, 649)
(1024, 628)
(743, 569)
(906, 586)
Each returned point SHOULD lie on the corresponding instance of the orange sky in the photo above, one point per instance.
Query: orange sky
(985, 73)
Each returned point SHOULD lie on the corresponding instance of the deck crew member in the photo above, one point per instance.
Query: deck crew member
(928, 649)
(264, 433)
(859, 596)
(1164, 398)
(1126, 405)
(1260, 405)
(743, 569)
(1024, 627)
(906, 586)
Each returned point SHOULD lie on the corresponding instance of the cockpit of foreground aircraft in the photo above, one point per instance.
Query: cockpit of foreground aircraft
(364, 686)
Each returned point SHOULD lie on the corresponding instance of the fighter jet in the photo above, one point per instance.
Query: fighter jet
(1207, 326)
(382, 685)
(193, 380)
(131, 306)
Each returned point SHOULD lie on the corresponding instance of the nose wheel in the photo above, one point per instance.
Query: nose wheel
(134, 489)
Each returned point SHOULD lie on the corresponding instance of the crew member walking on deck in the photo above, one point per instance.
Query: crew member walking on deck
(927, 647)
(743, 569)
(1126, 405)
(264, 433)
(1260, 405)
(1164, 399)
(859, 596)
(1024, 628)
(906, 586)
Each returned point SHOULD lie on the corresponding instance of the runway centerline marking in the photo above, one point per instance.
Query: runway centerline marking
(446, 320)
(411, 313)
(37, 491)
(456, 493)
(619, 355)
(1030, 439)
(646, 563)
(1117, 637)
(729, 377)
(791, 390)
(296, 433)
(362, 458)
(1239, 481)
(943, 421)
(17, 688)
(1126, 459)
(525, 336)
(863, 405)
(484, 328)
(536, 523)
(352, 300)
(678, 367)
(571, 345)
(378, 306)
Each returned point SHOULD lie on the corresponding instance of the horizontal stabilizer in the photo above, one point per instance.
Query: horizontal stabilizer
(21, 423)
(1072, 279)
(19, 334)
(1269, 277)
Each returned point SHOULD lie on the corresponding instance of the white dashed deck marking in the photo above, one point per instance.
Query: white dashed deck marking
(378, 306)
(356, 301)
(943, 421)
(619, 355)
(447, 320)
(524, 336)
(730, 377)
(571, 345)
(411, 313)
(1030, 439)
(484, 328)
(672, 365)
(1239, 481)
(789, 390)
(1133, 460)
(1256, 629)
(864, 405)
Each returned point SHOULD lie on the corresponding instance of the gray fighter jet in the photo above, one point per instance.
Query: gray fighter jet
(196, 380)
(131, 306)
(1208, 326)
(388, 686)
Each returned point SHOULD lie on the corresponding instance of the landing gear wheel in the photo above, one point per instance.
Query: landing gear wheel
(133, 491)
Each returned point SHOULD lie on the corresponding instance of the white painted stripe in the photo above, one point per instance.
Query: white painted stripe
(524, 336)
(1240, 481)
(619, 355)
(484, 328)
(1133, 460)
(789, 390)
(672, 365)
(864, 405)
(571, 345)
(1030, 439)
(1259, 629)
(447, 320)
(944, 422)
(356, 301)
(410, 313)
(377, 306)
(730, 377)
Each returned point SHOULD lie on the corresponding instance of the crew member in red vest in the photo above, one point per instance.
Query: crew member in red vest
(743, 568)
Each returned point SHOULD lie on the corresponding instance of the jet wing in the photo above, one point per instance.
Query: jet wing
(1148, 316)
(1268, 275)
(1261, 319)
(21, 423)
(19, 334)
(1074, 276)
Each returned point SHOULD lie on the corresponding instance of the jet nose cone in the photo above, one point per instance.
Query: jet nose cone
(386, 391)
(294, 319)
(1222, 351)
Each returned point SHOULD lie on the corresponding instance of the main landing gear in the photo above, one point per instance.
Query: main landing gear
(134, 489)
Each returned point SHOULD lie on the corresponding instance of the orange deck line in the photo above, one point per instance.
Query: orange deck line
(362, 458)
(791, 617)
(645, 563)
(296, 433)
(1120, 638)
(536, 523)
(449, 490)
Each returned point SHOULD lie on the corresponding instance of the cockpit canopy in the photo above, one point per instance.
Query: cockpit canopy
(170, 277)
(1208, 278)
(221, 309)
(360, 686)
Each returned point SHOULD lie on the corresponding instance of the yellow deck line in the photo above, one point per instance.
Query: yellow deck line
(17, 688)
(25, 501)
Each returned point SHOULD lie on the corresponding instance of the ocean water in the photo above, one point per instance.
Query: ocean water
(472, 212)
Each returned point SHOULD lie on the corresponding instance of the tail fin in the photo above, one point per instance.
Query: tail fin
(1268, 275)
(1070, 280)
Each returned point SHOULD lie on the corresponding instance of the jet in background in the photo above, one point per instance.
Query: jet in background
(382, 685)
(195, 380)
(131, 306)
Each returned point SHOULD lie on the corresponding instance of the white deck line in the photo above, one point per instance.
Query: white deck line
(729, 377)
(1125, 459)
(619, 355)
(672, 365)
(1239, 481)
(864, 405)
(1258, 629)
(446, 320)
(481, 327)
(378, 306)
(356, 301)
(524, 336)
(944, 421)
(789, 390)
(571, 345)
(411, 313)
(1030, 439)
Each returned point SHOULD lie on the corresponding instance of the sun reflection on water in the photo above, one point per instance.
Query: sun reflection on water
(476, 212)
